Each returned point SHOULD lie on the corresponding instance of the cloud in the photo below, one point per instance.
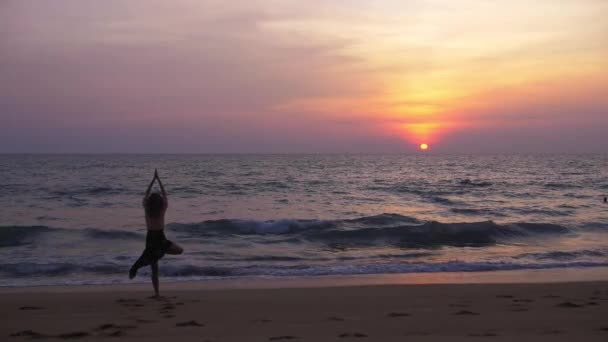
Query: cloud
(285, 75)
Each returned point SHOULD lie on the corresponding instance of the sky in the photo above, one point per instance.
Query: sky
(282, 76)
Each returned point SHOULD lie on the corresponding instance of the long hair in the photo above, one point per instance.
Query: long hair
(154, 205)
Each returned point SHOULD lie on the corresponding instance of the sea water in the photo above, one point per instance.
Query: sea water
(77, 219)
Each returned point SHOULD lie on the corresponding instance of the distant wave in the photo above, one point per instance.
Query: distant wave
(442, 200)
(17, 236)
(432, 191)
(469, 182)
(12, 236)
(561, 185)
(87, 191)
(29, 269)
(477, 211)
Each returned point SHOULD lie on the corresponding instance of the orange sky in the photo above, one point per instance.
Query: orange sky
(279, 74)
(436, 64)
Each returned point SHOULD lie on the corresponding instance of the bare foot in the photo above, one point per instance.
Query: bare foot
(355, 334)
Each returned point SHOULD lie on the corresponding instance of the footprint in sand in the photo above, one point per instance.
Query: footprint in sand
(355, 334)
(278, 338)
(418, 333)
(262, 320)
(523, 300)
(109, 326)
(398, 314)
(551, 296)
(569, 305)
(72, 335)
(466, 312)
(552, 332)
(518, 308)
(485, 334)
(144, 321)
(28, 333)
(129, 303)
(189, 324)
(126, 300)
(64, 336)
(30, 308)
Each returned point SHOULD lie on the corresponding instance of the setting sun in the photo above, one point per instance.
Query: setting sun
(424, 147)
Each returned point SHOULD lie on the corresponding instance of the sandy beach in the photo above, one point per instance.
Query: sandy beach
(437, 312)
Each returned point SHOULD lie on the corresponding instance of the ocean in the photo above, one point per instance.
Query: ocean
(77, 219)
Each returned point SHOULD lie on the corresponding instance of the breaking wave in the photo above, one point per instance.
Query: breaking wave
(387, 243)
(386, 229)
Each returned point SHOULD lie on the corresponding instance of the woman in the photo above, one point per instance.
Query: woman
(157, 245)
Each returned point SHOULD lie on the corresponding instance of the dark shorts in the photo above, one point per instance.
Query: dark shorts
(156, 246)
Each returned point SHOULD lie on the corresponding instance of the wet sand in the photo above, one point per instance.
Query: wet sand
(441, 312)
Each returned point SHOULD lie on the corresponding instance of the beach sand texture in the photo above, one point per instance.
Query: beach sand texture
(492, 312)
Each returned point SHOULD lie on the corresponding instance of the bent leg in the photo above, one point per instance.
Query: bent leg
(175, 249)
(144, 260)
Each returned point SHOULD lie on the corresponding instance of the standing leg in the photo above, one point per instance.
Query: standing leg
(154, 266)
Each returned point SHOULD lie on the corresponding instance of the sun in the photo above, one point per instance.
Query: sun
(424, 147)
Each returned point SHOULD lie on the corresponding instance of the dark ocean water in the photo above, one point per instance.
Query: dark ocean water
(75, 219)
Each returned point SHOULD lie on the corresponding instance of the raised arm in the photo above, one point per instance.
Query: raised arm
(162, 189)
(150, 187)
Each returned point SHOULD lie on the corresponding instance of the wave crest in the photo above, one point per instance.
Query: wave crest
(11, 236)
(385, 229)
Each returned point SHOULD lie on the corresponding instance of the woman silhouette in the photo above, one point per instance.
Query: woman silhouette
(155, 206)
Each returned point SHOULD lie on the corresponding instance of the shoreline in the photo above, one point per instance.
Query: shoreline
(533, 276)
